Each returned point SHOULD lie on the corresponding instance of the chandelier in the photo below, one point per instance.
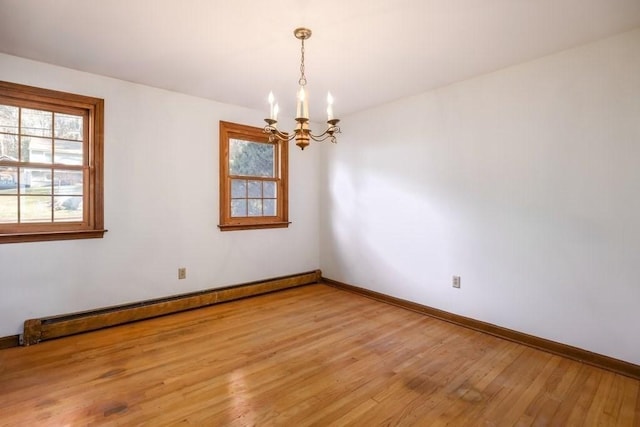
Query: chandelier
(302, 134)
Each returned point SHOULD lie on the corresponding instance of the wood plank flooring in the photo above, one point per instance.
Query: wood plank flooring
(313, 355)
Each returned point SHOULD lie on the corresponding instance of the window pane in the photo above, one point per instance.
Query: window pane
(35, 181)
(269, 188)
(8, 119)
(238, 188)
(255, 189)
(255, 207)
(67, 208)
(9, 148)
(68, 126)
(239, 207)
(35, 208)
(8, 180)
(68, 152)
(35, 149)
(36, 122)
(269, 207)
(8, 208)
(251, 158)
(67, 182)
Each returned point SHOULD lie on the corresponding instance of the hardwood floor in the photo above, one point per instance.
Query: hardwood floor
(313, 355)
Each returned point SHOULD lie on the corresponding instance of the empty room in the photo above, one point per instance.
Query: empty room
(299, 213)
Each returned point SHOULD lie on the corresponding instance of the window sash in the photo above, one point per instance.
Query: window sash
(20, 170)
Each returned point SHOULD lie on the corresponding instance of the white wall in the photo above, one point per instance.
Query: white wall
(525, 182)
(161, 208)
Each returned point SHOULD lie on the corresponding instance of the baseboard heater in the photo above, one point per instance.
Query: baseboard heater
(37, 330)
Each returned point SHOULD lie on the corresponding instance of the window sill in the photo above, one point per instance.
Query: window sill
(234, 227)
(45, 236)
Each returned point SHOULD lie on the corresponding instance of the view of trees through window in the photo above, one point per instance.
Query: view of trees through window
(252, 168)
(251, 158)
(41, 165)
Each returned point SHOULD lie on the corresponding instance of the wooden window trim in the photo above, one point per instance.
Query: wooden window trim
(229, 131)
(92, 225)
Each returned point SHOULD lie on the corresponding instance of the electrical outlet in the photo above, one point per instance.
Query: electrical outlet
(455, 282)
(182, 273)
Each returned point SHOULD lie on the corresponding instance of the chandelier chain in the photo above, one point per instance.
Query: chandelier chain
(303, 79)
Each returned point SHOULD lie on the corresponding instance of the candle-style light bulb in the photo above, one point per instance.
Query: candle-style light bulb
(329, 106)
(276, 110)
(303, 107)
(271, 99)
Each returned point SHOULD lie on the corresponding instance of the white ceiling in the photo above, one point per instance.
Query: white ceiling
(367, 52)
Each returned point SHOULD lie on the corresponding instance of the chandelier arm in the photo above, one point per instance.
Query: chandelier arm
(320, 138)
(329, 133)
(275, 133)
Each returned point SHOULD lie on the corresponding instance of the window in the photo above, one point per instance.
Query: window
(253, 179)
(50, 165)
